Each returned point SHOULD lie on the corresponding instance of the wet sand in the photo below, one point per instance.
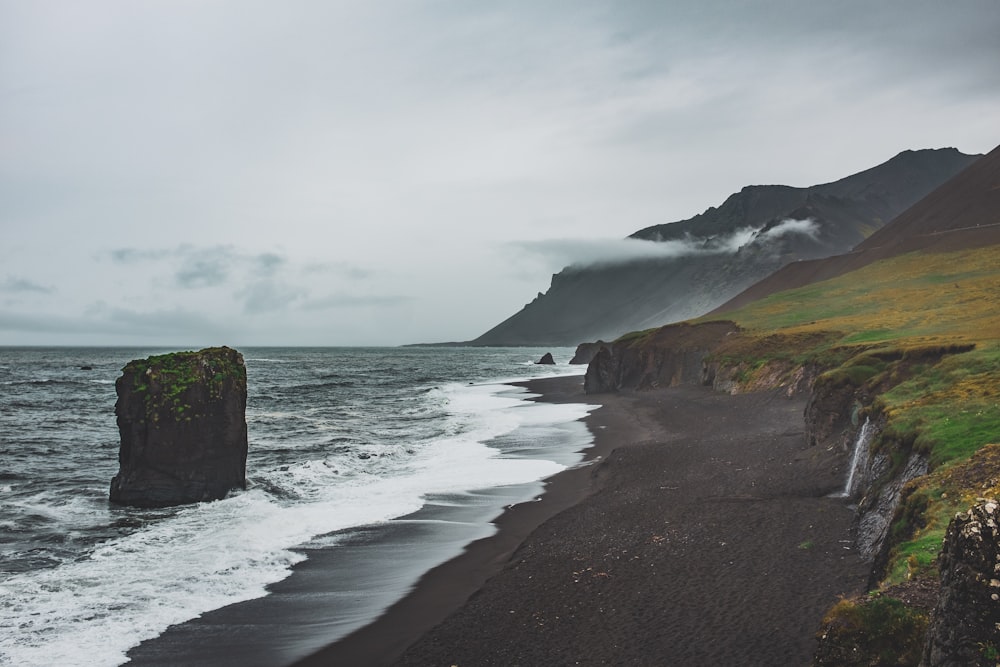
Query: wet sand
(700, 533)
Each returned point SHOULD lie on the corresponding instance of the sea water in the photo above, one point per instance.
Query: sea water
(340, 440)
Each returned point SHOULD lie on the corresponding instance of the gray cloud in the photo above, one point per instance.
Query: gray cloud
(338, 301)
(33, 323)
(196, 267)
(268, 282)
(342, 269)
(288, 151)
(173, 323)
(137, 255)
(268, 263)
(202, 272)
(558, 253)
(808, 227)
(114, 323)
(266, 296)
(20, 285)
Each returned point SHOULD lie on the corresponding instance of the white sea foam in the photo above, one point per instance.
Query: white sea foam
(92, 610)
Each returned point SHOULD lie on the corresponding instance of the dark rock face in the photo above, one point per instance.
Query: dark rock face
(882, 493)
(547, 360)
(832, 413)
(965, 625)
(182, 421)
(667, 357)
(585, 352)
(602, 373)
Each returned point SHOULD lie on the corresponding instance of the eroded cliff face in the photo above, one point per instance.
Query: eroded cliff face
(843, 417)
(665, 357)
(585, 352)
(835, 414)
(182, 422)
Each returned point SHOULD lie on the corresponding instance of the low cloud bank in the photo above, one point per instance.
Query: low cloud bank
(580, 253)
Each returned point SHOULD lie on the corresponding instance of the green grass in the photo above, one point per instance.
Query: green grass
(952, 407)
(165, 378)
(878, 631)
(915, 296)
(921, 333)
(904, 328)
(928, 505)
(873, 336)
(636, 337)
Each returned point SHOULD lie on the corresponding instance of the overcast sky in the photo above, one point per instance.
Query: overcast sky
(317, 172)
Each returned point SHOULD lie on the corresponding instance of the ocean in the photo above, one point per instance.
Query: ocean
(379, 462)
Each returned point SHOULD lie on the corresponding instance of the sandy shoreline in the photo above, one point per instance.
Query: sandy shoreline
(445, 588)
(703, 536)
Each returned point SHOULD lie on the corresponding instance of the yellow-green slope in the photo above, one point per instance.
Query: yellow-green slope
(922, 333)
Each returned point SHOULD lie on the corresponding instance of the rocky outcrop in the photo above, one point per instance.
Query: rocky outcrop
(546, 360)
(585, 352)
(602, 373)
(882, 484)
(965, 624)
(832, 413)
(182, 422)
(665, 357)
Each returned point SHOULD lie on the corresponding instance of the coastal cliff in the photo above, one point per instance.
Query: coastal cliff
(662, 357)
(875, 460)
(181, 418)
(841, 413)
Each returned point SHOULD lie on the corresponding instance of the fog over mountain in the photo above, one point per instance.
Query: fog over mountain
(676, 271)
(963, 213)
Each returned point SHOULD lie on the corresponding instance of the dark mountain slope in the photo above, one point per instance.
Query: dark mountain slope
(962, 213)
(719, 253)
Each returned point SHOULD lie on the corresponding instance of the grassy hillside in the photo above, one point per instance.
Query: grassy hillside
(921, 334)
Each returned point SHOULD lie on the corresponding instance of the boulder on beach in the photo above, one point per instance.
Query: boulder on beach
(182, 423)
(547, 359)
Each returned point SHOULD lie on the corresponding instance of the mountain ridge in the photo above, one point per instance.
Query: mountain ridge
(963, 213)
(780, 224)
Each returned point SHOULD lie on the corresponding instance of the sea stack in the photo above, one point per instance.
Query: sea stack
(182, 422)
(546, 360)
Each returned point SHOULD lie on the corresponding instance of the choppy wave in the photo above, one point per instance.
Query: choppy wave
(82, 581)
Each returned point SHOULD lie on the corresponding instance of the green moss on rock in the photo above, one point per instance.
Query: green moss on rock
(874, 631)
(165, 379)
(182, 421)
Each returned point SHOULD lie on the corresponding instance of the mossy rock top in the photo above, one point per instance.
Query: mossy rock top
(182, 422)
(167, 377)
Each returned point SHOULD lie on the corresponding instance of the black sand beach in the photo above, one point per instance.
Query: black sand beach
(702, 534)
